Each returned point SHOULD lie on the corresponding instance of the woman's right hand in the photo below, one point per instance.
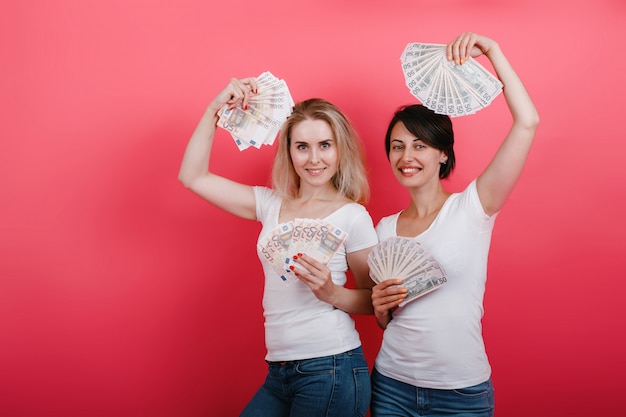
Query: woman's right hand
(386, 297)
(237, 91)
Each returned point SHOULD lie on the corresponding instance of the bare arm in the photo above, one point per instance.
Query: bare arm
(353, 301)
(497, 181)
(194, 173)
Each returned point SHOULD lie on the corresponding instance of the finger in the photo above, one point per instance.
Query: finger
(240, 92)
(246, 89)
(389, 303)
(235, 93)
(458, 50)
(381, 298)
(308, 261)
(388, 283)
(253, 85)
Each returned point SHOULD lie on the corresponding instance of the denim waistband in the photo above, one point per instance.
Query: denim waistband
(358, 350)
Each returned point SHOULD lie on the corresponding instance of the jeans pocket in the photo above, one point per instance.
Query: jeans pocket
(324, 365)
(475, 390)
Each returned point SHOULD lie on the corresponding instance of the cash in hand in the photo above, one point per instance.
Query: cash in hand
(442, 86)
(267, 110)
(406, 259)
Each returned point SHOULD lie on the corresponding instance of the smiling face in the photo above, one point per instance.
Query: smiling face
(413, 162)
(313, 152)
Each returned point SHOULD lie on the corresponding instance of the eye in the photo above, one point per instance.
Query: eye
(419, 146)
(301, 147)
(325, 145)
(397, 147)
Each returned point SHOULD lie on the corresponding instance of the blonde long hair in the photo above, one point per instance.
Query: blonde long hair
(351, 177)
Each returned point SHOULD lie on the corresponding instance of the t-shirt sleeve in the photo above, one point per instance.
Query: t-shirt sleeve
(386, 227)
(361, 234)
(264, 198)
(470, 199)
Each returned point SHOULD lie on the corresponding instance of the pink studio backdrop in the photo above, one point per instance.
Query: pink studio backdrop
(122, 294)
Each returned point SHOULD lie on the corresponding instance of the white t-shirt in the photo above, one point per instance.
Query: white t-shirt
(436, 341)
(297, 324)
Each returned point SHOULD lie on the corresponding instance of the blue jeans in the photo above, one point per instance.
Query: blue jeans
(394, 398)
(330, 386)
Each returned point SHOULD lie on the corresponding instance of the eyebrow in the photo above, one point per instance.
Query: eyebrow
(313, 141)
(414, 140)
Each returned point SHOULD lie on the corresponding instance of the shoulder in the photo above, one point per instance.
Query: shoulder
(467, 201)
(267, 200)
(387, 220)
(386, 226)
(265, 193)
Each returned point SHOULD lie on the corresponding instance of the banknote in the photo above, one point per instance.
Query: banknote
(317, 238)
(260, 122)
(406, 259)
(275, 249)
(443, 86)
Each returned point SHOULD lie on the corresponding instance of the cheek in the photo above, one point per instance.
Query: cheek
(393, 158)
(298, 158)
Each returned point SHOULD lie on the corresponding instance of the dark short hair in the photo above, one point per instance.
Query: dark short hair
(435, 130)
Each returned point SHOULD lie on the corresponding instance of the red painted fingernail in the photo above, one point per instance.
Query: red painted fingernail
(292, 267)
(299, 254)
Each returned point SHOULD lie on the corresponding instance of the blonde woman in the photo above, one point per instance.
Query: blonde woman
(315, 362)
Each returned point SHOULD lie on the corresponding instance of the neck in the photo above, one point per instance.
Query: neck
(426, 200)
(327, 193)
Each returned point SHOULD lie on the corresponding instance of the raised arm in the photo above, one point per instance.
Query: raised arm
(496, 182)
(194, 173)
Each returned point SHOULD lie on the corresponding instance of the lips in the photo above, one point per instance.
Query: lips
(410, 170)
(316, 171)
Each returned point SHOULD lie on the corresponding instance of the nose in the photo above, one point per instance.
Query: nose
(315, 156)
(407, 154)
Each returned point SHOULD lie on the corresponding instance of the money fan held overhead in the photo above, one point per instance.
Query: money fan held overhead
(442, 86)
(267, 110)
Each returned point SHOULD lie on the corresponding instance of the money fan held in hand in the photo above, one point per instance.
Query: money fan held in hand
(406, 259)
(442, 86)
(317, 238)
(267, 110)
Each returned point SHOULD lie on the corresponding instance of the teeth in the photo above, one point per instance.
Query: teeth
(315, 171)
(409, 170)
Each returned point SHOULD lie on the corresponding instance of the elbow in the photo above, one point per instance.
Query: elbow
(528, 124)
(186, 180)
(535, 121)
(532, 121)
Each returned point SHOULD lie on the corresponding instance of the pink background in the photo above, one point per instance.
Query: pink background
(122, 294)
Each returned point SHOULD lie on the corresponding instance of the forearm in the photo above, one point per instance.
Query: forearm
(518, 100)
(195, 163)
(353, 301)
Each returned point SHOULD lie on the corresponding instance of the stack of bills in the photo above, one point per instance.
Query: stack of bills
(404, 258)
(260, 122)
(442, 86)
(313, 237)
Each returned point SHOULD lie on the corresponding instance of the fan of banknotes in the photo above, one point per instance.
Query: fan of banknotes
(442, 86)
(316, 238)
(267, 110)
(406, 259)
